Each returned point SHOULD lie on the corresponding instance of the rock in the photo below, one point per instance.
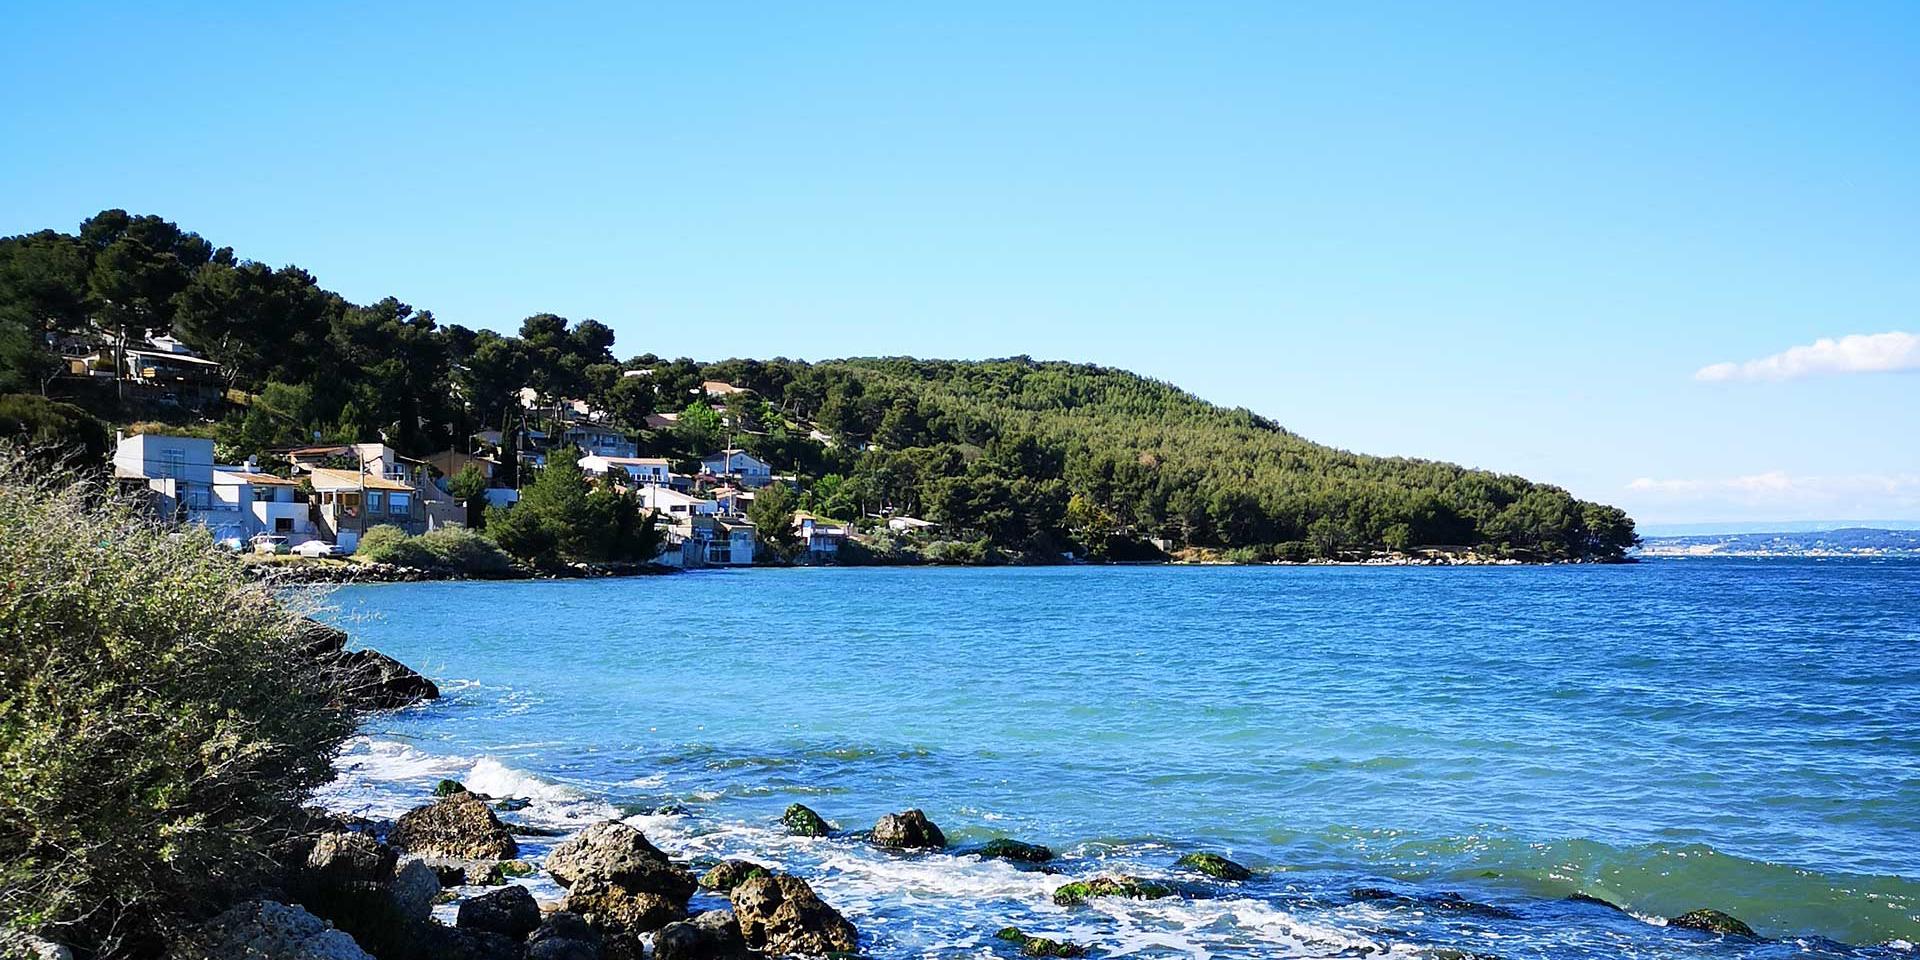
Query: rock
(1592, 900)
(460, 826)
(1039, 946)
(801, 821)
(512, 804)
(910, 830)
(781, 915)
(264, 930)
(1214, 865)
(1004, 849)
(713, 935)
(516, 868)
(371, 680)
(1080, 891)
(622, 915)
(1441, 901)
(728, 875)
(463, 872)
(1711, 921)
(341, 855)
(509, 911)
(318, 639)
(529, 830)
(563, 936)
(447, 788)
(614, 853)
(19, 945)
(413, 889)
(442, 942)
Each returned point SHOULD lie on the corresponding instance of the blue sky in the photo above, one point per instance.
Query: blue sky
(1505, 235)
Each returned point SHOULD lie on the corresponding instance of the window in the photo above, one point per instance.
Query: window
(400, 504)
(282, 524)
(173, 462)
(373, 501)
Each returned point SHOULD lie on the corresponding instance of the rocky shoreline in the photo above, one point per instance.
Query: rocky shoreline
(340, 572)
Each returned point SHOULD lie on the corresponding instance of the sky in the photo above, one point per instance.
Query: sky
(1664, 255)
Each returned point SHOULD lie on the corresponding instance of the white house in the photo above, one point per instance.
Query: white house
(822, 537)
(731, 501)
(265, 503)
(725, 542)
(752, 471)
(909, 524)
(602, 440)
(674, 504)
(177, 470)
(641, 470)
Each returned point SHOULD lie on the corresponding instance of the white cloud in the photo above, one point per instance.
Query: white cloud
(1855, 353)
(1859, 495)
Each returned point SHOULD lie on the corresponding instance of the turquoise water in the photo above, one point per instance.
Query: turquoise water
(1669, 735)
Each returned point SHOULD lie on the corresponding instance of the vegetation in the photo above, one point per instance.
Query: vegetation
(160, 726)
(56, 432)
(1014, 458)
(562, 518)
(446, 550)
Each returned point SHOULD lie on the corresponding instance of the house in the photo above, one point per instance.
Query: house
(909, 525)
(179, 481)
(176, 473)
(822, 537)
(167, 371)
(674, 504)
(449, 462)
(598, 439)
(720, 388)
(731, 501)
(661, 421)
(641, 470)
(722, 542)
(752, 471)
(351, 502)
(266, 504)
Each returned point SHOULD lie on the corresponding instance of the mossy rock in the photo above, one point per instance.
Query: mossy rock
(801, 821)
(1712, 921)
(1039, 946)
(1215, 866)
(1135, 888)
(1005, 849)
(447, 788)
(723, 877)
(516, 868)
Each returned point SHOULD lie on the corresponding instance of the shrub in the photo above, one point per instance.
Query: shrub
(53, 431)
(380, 544)
(160, 725)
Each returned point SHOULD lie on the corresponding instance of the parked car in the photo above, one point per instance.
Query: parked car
(266, 543)
(316, 548)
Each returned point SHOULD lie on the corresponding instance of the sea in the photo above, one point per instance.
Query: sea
(1414, 761)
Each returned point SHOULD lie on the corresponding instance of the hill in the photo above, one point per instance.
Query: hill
(1019, 457)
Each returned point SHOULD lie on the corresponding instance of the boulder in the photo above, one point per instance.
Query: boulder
(1134, 888)
(19, 945)
(264, 930)
(1005, 849)
(447, 788)
(909, 830)
(780, 915)
(509, 911)
(413, 889)
(372, 680)
(801, 821)
(621, 914)
(319, 639)
(442, 942)
(563, 936)
(460, 825)
(726, 876)
(616, 854)
(1711, 921)
(1214, 865)
(1039, 946)
(463, 872)
(713, 935)
(341, 855)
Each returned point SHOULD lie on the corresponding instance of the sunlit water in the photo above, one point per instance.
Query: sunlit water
(1670, 735)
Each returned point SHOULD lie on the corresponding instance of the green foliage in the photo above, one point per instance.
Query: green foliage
(771, 513)
(561, 518)
(52, 432)
(469, 486)
(445, 550)
(160, 724)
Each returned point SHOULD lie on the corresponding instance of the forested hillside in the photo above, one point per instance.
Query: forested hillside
(1012, 457)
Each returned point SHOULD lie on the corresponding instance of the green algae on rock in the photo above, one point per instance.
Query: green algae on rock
(1711, 921)
(1135, 888)
(801, 821)
(1214, 865)
(1039, 946)
(1005, 849)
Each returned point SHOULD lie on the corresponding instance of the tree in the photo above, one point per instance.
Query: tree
(52, 432)
(469, 486)
(771, 513)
